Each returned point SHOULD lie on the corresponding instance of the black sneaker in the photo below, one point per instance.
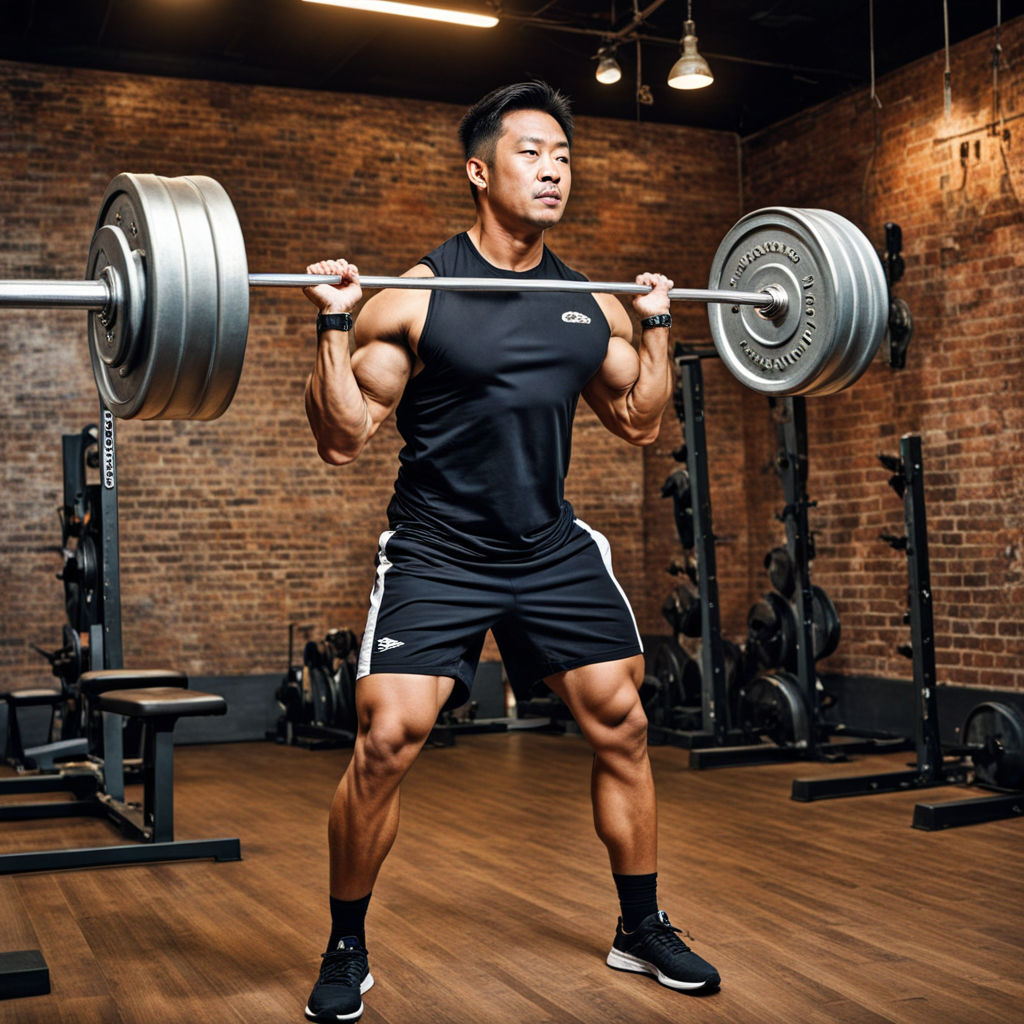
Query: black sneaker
(344, 977)
(654, 948)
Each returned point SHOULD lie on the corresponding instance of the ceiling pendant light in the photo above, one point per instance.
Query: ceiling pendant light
(608, 70)
(691, 71)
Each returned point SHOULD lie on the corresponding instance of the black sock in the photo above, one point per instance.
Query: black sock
(638, 898)
(348, 918)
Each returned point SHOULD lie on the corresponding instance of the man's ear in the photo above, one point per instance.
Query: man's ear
(476, 171)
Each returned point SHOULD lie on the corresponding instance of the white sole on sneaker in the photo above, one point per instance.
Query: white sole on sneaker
(627, 962)
(364, 987)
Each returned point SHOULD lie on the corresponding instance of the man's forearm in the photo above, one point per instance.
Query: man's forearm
(335, 405)
(653, 386)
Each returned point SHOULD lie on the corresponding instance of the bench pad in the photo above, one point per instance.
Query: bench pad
(103, 679)
(32, 697)
(157, 701)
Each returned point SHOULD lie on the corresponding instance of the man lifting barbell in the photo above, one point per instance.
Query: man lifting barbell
(484, 387)
(797, 305)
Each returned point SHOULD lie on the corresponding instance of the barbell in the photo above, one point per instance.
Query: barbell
(797, 298)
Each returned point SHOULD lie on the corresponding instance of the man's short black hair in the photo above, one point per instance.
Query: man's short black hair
(481, 127)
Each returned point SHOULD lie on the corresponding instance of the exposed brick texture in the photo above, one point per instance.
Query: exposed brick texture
(963, 243)
(232, 529)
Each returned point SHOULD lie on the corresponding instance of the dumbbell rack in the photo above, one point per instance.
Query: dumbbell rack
(930, 769)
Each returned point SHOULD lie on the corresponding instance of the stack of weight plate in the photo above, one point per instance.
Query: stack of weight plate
(771, 702)
(836, 301)
(172, 346)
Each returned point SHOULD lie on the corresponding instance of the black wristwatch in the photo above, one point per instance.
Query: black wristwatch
(333, 322)
(661, 320)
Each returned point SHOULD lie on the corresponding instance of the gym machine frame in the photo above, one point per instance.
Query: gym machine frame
(792, 462)
(716, 728)
(719, 741)
(931, 769)
(25, 972)
(98, 790)
(689, 405)
(713, 695)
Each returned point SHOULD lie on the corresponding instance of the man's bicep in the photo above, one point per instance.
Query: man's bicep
(383, 360)
(382, 370)
(618, 370)
(608, 390)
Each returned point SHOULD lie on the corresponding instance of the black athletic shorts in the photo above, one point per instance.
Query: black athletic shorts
(429, 612)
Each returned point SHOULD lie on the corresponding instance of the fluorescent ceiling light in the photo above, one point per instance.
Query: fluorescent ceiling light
(415, 11)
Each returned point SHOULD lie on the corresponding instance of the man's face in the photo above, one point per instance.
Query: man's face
(529, 176)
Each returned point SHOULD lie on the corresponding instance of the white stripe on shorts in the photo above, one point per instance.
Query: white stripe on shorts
(376, 597)
(606, 556)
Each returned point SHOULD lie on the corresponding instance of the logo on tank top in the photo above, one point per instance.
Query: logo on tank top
(385, 643)
(570, 316)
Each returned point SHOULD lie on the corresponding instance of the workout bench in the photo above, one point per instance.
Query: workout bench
(44, 755)
(158, 699)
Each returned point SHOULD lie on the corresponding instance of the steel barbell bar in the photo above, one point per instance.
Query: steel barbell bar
(26, 294)
(797, 298)
(771, 302)
(98, 295)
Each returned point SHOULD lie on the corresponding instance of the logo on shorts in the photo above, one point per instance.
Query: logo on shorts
(385, 643)
(570, 316)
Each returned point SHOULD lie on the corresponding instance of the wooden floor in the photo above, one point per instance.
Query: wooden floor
(496, 906)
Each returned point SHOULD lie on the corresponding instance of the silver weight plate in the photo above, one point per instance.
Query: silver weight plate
(232, 309)
(871, 315)
(199, 329)
(141, 386)
(848, 300)
(789, 355)
(189, 308)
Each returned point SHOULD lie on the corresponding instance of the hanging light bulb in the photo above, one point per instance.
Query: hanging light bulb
(691, 71)
(608, 70)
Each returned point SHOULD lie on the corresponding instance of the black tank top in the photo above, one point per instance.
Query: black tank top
(487, 422)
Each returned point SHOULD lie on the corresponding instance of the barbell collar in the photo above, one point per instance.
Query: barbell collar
(764, 299)
(55, 294)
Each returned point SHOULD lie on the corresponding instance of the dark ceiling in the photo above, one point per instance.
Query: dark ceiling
(770, 58)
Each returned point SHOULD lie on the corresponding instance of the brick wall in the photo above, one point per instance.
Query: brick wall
(232, 529)
(963, 243)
